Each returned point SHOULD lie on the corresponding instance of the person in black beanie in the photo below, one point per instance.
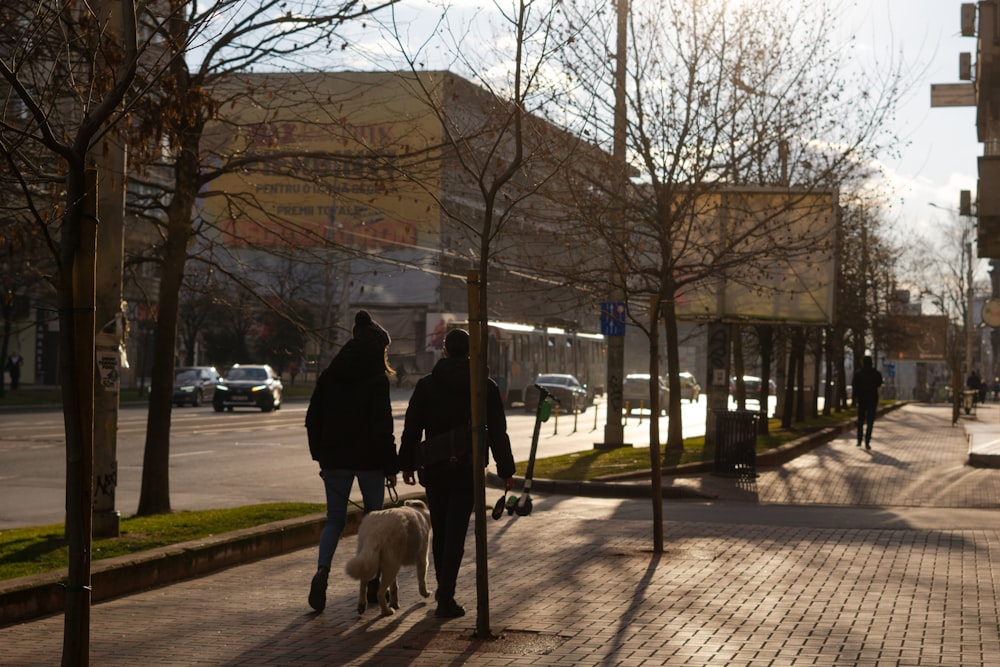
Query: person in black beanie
(350, 431)
(440, 402)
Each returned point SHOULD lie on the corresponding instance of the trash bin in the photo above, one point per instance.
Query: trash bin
(736, 443)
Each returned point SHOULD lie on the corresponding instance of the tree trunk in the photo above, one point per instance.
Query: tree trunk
(154, 495)
(738, 368)
(76, 294)
(790, 373)
(675, 424)
(765, 336)
(656, 473)
(799, 346)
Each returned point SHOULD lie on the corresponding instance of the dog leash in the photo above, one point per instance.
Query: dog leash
(390, 489)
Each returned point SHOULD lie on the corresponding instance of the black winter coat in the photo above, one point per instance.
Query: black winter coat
(440, 402)
(349, 420)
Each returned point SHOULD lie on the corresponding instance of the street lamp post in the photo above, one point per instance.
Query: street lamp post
(969, 328)
(614, 433)
(968, 259)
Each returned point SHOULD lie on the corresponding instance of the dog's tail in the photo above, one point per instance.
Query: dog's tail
(364, 565)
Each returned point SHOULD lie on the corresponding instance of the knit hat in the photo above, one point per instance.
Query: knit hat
(367, 329)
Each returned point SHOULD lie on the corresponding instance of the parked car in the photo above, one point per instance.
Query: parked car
(753, 386)
(690, 389)
(194, 384)
(249, 386)
(567, 389)
(635, 392)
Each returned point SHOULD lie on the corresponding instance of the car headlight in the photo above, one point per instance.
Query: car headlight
(221, 387)
(260, 387)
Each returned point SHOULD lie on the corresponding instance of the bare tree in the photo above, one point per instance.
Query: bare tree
(65, 76)
(943, 270)
(726, 99)
(498, 156)
(180, 97)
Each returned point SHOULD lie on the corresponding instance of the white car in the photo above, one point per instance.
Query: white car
(635, 392)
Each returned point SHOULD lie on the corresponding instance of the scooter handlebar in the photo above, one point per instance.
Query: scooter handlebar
(544, 393)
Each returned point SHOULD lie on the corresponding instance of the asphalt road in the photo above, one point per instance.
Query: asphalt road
(238, 458)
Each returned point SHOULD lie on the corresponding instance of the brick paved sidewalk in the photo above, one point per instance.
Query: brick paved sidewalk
(918, 459)
(576, 583)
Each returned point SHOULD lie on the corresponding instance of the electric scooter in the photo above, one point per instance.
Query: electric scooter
(522, 505)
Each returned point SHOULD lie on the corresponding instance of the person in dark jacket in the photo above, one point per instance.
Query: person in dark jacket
(865, 395)
(441, 402)
(350, 430)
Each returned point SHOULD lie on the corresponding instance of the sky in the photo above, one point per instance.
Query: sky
(938, 146)
(938, 158)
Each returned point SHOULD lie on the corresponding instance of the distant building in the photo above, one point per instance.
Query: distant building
(365, 202)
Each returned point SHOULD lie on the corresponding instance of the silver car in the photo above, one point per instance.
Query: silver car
(635, 393)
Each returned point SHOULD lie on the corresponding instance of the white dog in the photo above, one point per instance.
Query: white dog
(389, 539)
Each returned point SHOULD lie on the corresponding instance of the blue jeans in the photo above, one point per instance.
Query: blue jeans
(338, 484)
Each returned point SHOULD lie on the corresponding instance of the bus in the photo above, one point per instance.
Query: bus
(518, 353)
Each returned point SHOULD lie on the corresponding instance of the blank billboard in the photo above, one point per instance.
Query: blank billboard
(775, 257)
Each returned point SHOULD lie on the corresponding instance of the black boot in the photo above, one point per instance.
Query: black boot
(317, 590)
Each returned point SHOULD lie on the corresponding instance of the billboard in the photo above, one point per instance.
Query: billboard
(771, 256)
(919, 337)
(330, 160)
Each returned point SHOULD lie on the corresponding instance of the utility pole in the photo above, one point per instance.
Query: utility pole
(969, 328)
(109, 157)
(614, 432)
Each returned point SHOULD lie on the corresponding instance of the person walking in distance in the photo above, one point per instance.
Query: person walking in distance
(865, 386)
(350, 431)
(441, 404)
(14, 362)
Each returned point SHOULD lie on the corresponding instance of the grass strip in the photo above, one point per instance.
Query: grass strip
(26, 551)
(592, 464)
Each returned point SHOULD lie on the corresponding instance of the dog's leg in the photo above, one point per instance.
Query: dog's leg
(394, 593)
(363, 597)
(384, 586)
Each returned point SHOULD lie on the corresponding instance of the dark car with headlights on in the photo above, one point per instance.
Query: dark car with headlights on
(249, 386)
(194, 384)
(572, 395)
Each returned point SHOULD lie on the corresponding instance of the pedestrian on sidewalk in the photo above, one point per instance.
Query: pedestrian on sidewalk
(350, 431)
(441, 404)
(975, 383)
(14, 363)
(865, 387)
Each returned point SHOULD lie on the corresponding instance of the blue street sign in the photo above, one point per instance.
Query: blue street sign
(613, 318)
